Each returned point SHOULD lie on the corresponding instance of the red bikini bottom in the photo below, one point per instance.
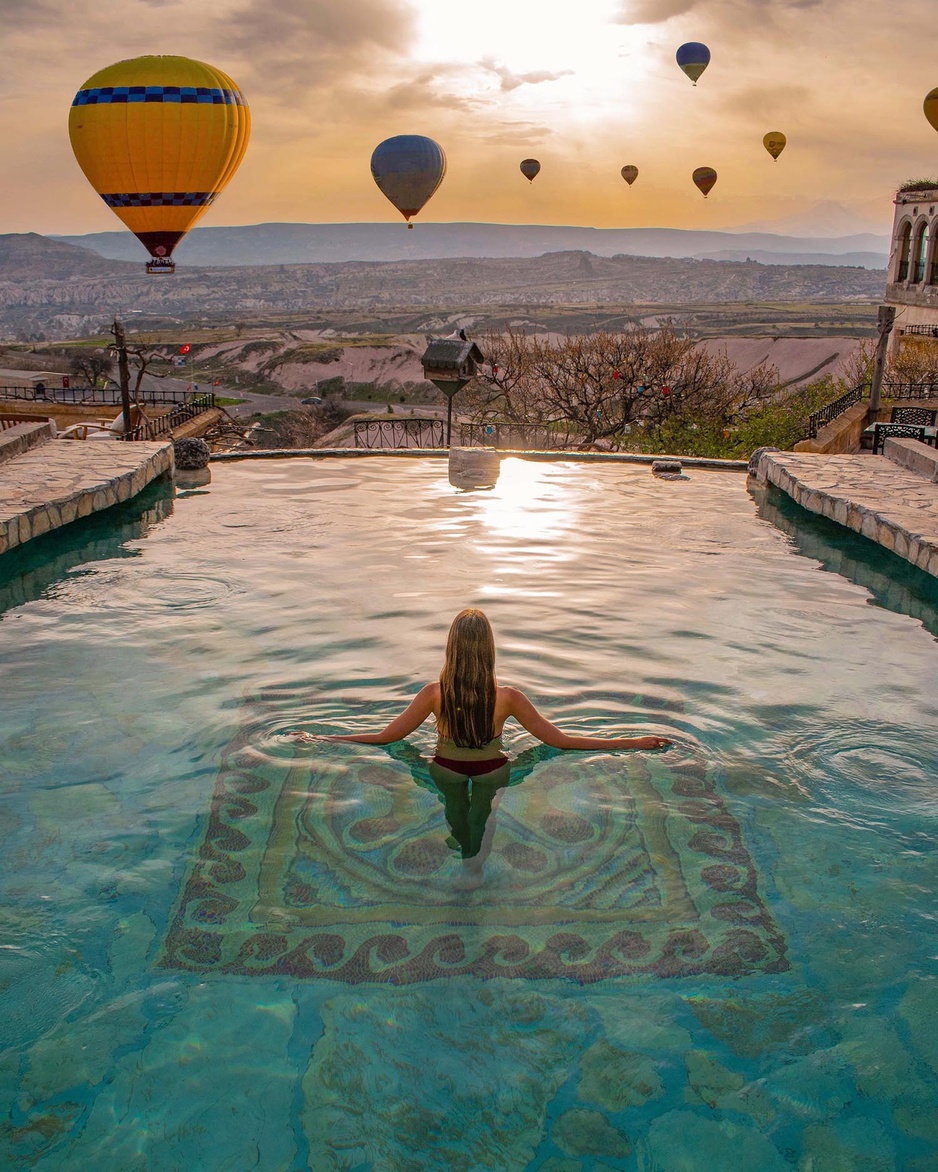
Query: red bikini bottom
(471, 768)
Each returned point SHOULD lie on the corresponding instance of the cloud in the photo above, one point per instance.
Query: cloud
(420, 93)
(651, 11)
(312, 41)
(18, 14)
(521, 134)
(512, 81)
(733, 11)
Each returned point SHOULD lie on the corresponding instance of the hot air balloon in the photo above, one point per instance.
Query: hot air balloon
(931, 108)
(530, 168)
(774, 143)
(705, 177)
(408, 169)
(630, 174)
(158, 138)
(693, 58)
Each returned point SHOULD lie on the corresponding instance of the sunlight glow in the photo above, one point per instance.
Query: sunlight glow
(519, 35)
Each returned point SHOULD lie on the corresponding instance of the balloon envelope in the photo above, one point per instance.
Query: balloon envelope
(774, 143)
(931, 108)
(693, 58)
(158, 138)
(704, 178)
(529, 168)
(630, 174)
(408, 169)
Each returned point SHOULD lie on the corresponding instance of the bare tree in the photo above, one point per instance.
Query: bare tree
(90, 366)
(141, 359)
(915, 360)
(602, 389)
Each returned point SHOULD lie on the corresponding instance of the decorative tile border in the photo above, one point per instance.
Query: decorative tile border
(602, 867)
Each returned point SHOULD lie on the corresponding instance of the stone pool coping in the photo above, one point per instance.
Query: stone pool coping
(443, 453)
(61, 480)
(28, 433)
(889, 504)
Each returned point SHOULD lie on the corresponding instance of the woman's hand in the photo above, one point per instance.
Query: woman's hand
(650, 743)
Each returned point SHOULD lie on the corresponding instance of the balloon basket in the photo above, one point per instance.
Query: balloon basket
(161, 266)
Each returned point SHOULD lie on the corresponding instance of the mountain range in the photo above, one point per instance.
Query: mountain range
(60, 290)
(274, 244)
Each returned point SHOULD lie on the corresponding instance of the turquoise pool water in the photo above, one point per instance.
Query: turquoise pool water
(224, 951)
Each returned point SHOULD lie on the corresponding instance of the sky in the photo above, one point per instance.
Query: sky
(584, 86)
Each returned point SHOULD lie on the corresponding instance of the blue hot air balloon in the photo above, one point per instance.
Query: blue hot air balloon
(408, 169)
(693, 58)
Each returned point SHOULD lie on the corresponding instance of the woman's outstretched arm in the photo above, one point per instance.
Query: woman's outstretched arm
(423, 705)
(521, 708)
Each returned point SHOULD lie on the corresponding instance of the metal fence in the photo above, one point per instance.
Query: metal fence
(512, 436)
(829, 411)
(910, 390)
(921, 331)
(108, 396)
(400, 433)
(154, 428)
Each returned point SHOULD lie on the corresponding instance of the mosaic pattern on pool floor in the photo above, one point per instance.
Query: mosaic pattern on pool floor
(337, 866)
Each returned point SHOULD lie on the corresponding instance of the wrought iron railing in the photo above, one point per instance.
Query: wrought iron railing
(108, 396)
(922, 331)
(181, 413)
(388, 434)
(24, 394)
(824, 415)
(513, 436)
(910, 390)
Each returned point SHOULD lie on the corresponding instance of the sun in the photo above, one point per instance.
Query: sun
(519, 34)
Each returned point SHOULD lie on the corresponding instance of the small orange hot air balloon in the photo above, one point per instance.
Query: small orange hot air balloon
(774, 143)
(630, 174)
(704, 178)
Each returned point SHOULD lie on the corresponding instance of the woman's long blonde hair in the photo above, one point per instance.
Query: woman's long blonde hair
(467, 682)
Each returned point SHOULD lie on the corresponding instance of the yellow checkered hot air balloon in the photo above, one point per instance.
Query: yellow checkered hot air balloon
(158, 138)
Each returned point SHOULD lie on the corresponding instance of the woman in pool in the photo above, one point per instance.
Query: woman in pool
(471, 708)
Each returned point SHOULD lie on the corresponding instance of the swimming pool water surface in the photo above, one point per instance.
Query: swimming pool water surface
(226, 950)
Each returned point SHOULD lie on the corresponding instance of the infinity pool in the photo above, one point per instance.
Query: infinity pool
(225, 950)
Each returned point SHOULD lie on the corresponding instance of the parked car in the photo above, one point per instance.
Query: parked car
(311, 399)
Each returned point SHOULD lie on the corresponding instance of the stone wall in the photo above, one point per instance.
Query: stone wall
(885, 503)
(913, 455)
(23, 436)
(841, 434)
(62, 481)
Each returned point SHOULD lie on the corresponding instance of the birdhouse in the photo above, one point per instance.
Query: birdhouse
(451, 362)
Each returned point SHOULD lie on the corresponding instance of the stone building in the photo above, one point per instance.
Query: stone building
(912, 278)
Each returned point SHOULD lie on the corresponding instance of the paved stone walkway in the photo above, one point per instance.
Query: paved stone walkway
(61, 480)
(891, 505)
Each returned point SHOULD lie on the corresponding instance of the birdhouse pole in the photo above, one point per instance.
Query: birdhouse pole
(449, 363)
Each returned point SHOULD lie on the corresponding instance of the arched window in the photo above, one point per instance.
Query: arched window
(904, 247)
(918, 255)
(933, 262)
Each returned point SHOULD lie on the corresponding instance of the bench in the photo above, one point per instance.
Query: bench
(884, 431)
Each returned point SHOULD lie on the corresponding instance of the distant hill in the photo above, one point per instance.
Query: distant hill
(860, 260)
(30, 256)
(49, 287)
(265, 244)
